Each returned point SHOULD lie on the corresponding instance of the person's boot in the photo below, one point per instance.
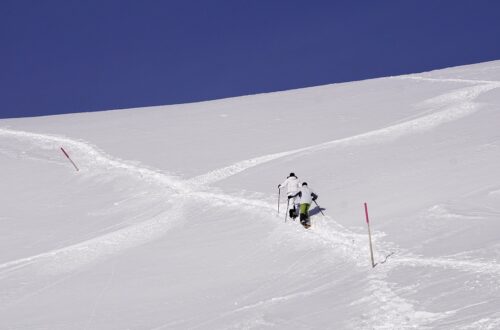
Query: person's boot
(304, 220)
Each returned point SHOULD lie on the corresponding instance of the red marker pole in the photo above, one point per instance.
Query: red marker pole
(369, 234)
(69, 158)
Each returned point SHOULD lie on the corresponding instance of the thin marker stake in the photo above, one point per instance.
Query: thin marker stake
(369, 235)
(69, 158)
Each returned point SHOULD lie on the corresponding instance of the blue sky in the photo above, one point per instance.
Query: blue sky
(63, 56)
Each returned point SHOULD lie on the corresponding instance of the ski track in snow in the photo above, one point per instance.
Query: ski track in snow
(91, 158)
(454, 105)
(71, 257)
(458, 104)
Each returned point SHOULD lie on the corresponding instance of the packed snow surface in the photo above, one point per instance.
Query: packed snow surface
(172, 220)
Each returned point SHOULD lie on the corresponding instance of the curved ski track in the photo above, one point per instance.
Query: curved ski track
(453, 106)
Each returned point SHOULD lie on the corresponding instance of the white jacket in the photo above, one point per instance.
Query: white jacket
(305, 195)
(291, 184)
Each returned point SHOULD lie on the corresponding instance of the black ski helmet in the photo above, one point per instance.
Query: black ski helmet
(304, 183)
(292, 174)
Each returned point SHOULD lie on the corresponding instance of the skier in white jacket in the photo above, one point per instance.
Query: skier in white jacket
(292, 186)
(307, 196)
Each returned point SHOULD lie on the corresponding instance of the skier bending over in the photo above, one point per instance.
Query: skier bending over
(292, 186)
(307, 196)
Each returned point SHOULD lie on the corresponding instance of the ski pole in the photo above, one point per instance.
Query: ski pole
(279, 193)
(319, 207)
(287, 204)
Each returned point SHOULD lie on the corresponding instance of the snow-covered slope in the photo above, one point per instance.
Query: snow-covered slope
(171, 222)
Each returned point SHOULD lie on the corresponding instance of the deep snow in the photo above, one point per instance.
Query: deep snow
(172, 222)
